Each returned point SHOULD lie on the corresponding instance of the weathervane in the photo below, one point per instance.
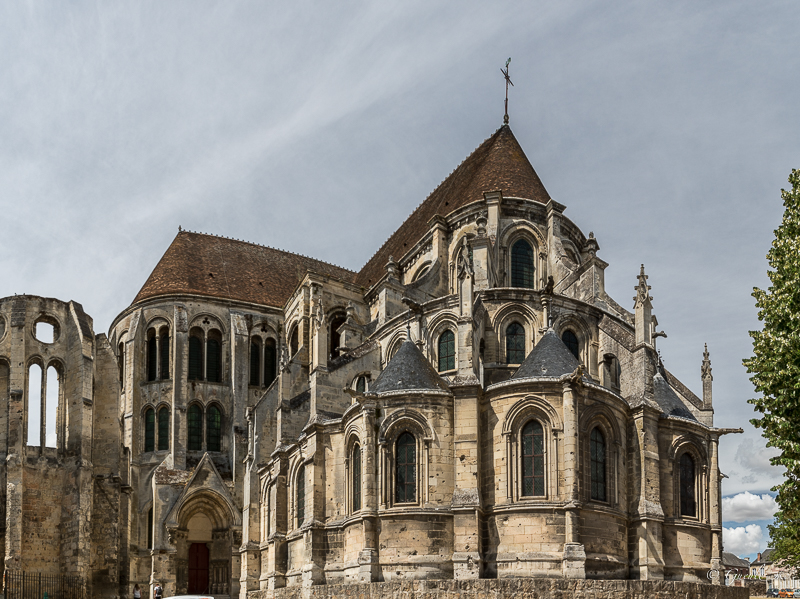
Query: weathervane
(508, 80)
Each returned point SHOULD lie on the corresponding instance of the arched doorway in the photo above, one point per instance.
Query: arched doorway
(199, 537)
(204, 545)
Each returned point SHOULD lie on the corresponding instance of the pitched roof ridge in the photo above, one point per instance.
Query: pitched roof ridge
(269, 247)
(410, 214)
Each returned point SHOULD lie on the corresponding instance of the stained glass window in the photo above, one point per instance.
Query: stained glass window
(405, 486)
(213, 429)
(356, 473)
(194, 419)
(361, 384)
(255, 363)
(269, 362)
(597, 445)
(571, 341)
(195, 358)
(522, 264)
(164, 349)
(515, 344)
(150, 429)
(152, 358)
(447, 351)
(533, 459)
(688, 504)
(300, 496)
(213, 361)
(163, 429)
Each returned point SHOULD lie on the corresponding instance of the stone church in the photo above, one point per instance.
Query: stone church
(469, 404)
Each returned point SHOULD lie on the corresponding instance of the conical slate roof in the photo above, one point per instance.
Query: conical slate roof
(668, 400)
(550, 358)
(408, 370)
(499, 163)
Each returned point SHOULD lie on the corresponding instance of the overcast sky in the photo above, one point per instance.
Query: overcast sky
(667, 129)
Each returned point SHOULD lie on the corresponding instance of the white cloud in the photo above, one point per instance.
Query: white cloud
(745, 507)
(755, 458)
(743, 540)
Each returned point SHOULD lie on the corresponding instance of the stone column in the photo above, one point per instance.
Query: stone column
(714, 511)
(647, 552)
(574, 560)
(279, 521)
(466, 503)
(368, 557)
(180, 362)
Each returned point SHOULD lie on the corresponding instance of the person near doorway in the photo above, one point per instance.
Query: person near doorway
(137, 592)
(158, 591)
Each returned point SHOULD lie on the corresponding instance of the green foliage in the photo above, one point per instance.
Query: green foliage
(775, 369)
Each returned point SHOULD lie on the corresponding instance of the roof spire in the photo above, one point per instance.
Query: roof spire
(508, 80)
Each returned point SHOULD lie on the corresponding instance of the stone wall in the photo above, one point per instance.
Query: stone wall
(519, 588)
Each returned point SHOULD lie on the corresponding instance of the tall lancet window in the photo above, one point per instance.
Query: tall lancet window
(597, 445)
(688, 502)
(522, 264)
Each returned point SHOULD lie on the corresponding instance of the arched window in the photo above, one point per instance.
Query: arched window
(255, 363)
(150, 528)
(515, 344)
(122, 363)
(152, 356)
(149, 429)
(405, 484)
(51, 407)
(571, 341)
(612, 371)
(194, 422)
(214, 360)
(163, 428)
(294, 343)
(356, 474)
(447, 351)
(533, 460)
(597, 446)
(335, 337)
(213, 429)
(522, 264)
(688, 503)
(300, 496)
(270, 357)
(361, 384)
(195, 358)
(34, 405)
(164, 349)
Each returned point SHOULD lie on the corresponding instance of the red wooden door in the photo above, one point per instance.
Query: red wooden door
(198, 568)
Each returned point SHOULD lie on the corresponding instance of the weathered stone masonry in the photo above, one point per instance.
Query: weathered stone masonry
(470, 405)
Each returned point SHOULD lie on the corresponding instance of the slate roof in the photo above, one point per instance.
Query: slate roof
(202, 264)
(408, 370)
(497, 164)
(766, 558)
(668, 400)
(732, 561)
(549, 358)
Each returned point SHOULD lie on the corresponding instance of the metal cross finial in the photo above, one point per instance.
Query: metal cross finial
(508, 80)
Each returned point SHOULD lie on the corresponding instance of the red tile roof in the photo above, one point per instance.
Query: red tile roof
(497, 164)
(201, 264)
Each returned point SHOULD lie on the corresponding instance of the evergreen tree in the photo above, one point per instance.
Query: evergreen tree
(775, 369)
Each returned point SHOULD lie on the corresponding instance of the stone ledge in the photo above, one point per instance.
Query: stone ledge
(518, 588)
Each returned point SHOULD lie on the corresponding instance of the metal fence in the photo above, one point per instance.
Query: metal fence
(30, 585)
